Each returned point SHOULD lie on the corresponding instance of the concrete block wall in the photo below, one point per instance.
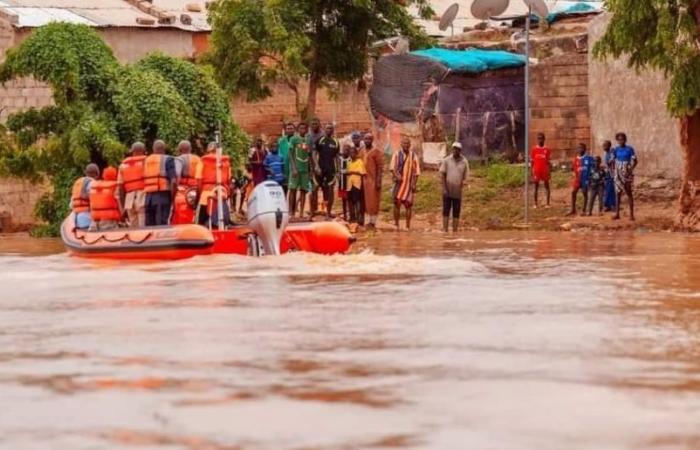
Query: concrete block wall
(559, 103)
(349, 110)
(635, 103)
(17, 200)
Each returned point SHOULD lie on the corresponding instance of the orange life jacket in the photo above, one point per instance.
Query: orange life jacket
(183, 213)
(131, 170)
(154, 174)
(209, 173)
(189, 169)
(103, 203)
(79, 203)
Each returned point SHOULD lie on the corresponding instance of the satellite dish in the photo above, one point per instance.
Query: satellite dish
(402, 46)
(449, 16)
(539, 8)
(485, 9)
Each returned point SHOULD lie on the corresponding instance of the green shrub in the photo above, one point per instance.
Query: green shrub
(101, 108)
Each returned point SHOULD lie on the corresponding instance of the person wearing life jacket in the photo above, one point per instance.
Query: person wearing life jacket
(130, 184)
(207, 187)
(105, 209)
(80, 196)
(160, 183)
(186, 168)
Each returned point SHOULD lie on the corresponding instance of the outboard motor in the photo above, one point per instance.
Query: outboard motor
(268, 216)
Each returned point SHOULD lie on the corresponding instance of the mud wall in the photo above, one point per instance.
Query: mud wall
(622, 100)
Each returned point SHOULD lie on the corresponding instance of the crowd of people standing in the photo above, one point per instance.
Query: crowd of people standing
(603, 179)
(310, 162)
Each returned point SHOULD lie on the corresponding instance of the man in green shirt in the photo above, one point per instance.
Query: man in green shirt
(299, 163)
(284, 145)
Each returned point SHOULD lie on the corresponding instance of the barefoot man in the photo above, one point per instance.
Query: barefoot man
(541, 166)
(372, 189)
(624, 163)
(405, 168)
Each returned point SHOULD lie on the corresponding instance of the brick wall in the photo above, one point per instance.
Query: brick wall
(349, 110)
(559, 103)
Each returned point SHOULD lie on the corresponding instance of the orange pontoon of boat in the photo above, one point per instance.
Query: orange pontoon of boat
(268, 233)
(157, 243)
(326, 238)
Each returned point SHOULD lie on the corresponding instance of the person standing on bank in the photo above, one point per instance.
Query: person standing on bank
(405, 169)
(455, 171)
(541, 167)
(325, 157)
(284, 145)
(299, 165)
(625, 161)
(372, 182)
(359, 145)
(160, 182)
(256, 159)
(609, 195)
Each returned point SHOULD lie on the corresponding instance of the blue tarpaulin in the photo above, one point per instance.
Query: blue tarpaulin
(578, 8)
(472, 60)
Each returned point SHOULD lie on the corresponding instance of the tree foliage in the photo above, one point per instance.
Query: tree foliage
(660, 35)
(101, 107)
(259, 42)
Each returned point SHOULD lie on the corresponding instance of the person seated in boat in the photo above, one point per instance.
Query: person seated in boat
(105, 209)
(186, 168)
(130, 184)
(208, 188)
(80, 196)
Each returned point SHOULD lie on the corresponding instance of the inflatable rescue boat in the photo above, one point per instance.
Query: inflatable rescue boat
(268, 232)
(156, 243)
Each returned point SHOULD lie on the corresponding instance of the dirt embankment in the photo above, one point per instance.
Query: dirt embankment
(494, 200)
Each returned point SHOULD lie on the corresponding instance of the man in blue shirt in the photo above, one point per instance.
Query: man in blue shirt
(274, 165)
(624, 162)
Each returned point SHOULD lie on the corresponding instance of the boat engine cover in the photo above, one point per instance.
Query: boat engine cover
(268, 215)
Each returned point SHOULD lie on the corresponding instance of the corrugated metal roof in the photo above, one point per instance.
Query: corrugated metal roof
(36, 17)
(179, 7)
(99, 13)
(115, 17)
(94, 4)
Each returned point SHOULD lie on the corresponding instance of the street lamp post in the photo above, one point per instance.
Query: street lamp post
(484, 10)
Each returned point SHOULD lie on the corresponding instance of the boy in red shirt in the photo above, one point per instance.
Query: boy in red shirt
(540, 157)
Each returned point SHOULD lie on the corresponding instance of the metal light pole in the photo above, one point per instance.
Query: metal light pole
(527, 114)
(485, 10)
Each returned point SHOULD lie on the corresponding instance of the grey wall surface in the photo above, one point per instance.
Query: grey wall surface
(622, 100)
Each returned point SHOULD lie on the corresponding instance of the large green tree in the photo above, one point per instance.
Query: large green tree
(256, 43)
(101, 107)
(665, 35)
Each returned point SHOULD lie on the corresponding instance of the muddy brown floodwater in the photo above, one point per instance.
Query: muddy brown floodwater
(481, 341)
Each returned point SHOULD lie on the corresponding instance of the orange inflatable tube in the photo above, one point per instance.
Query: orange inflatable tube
(155, 243)
(327, 238)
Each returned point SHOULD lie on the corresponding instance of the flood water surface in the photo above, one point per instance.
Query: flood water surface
(417, 341)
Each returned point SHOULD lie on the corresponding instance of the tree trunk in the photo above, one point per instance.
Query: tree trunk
(311, 99)
(689, 214)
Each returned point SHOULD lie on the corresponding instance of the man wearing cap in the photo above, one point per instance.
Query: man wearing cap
(454, 170)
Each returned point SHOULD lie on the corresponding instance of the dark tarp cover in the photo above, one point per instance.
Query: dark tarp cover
(491, 120)
(405, 86)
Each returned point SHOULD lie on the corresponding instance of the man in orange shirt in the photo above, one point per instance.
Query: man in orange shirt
(541, 165)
